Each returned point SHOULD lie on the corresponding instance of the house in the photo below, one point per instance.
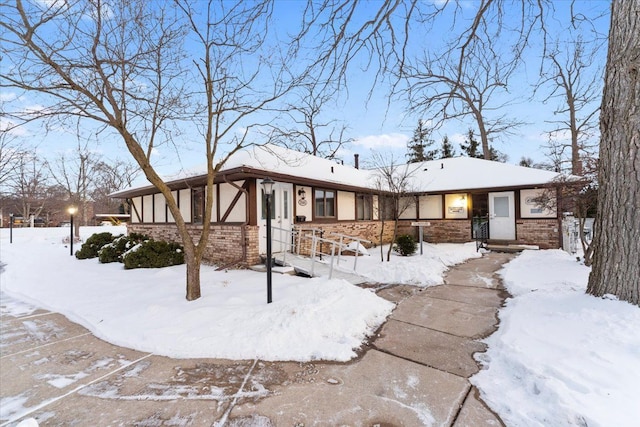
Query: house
(337, 198)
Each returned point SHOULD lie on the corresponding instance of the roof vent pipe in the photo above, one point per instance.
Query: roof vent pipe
(441, 165)
(331, 169)
(356, 161)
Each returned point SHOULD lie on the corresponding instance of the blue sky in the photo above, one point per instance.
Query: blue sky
(375, 123)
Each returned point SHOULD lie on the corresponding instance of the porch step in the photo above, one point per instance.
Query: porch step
(510, 248)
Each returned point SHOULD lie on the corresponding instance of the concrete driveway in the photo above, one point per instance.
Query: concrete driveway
(414, 372)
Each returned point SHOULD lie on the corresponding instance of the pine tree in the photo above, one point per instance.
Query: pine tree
(447, 150)
(470, 145)
(419, 144)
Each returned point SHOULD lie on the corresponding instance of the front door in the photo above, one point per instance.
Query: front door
(502, 218)
(281, 213)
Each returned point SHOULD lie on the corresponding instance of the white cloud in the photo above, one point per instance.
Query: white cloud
(393, 140)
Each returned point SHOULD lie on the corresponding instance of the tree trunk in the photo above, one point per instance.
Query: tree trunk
(616, 269)
(193, 274)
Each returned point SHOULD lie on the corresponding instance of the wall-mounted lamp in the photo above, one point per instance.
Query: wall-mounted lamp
(302, 193)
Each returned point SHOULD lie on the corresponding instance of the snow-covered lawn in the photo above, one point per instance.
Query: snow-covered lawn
(559, 358)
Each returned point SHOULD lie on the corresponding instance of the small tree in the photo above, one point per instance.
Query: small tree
(393, 181)
(447, 150)
(420, 143)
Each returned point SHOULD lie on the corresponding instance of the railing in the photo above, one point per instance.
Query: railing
(317, 244)
(480, 231)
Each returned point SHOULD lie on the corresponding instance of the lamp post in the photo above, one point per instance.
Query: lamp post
(72, 210)
(267, 186)
(11, 228)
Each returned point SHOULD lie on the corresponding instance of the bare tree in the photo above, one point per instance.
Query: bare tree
(443, 88)
(75, 172)
(28, 184)
(393, 182)
(306, 130)
(11, 152)
(149, 72)
(576, 79)
(616, 242)
(111, 176)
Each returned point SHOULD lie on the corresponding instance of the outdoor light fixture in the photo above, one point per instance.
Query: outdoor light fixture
(72, 210)
(267, 186)
(302, 193)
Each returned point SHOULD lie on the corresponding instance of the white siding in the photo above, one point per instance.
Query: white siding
(185, 204)
(408, 207)
(304, 207)
(159, 206)
(431, 207)
(227, 194)
(136, 210)
(346, 206)
(530, 209)
(456, 205)
(147, 208)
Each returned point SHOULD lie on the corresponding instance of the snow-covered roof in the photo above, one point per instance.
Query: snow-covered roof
(467, 173)
(452, 174)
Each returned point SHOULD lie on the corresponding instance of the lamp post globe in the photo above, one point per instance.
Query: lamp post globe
(72, 210)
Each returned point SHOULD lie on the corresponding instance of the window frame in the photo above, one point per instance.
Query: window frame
(367, 202)
(197, 205)
(325, 203)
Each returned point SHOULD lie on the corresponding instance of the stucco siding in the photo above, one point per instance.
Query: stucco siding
(346, 206)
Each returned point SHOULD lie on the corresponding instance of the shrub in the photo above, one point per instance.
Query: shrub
(93, 244)
(113, 252)
(153, 254)
(405, 245)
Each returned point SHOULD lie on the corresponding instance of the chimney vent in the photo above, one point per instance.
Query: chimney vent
(356, 161)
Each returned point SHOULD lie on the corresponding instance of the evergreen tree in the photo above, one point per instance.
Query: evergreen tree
(527, 162)
(470, 149)
(496, 155)
(419, 144)
(470, 146)
(447, 150)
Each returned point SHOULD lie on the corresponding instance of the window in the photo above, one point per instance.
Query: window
(285, 204)
(197, 205)
(325, 204)
(364, 207)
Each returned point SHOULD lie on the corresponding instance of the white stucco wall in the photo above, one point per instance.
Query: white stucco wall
(431, 207)
(227, 194)
(456, 205)
(346, 206)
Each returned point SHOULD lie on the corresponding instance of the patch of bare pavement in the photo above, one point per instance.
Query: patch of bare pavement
(414, 373)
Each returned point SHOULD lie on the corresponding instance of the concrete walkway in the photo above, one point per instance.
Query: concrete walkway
(414, 373)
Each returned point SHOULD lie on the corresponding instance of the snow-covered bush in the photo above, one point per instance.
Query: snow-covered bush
(153, 254)
(405, 245)
(113, 252)
(93, 244)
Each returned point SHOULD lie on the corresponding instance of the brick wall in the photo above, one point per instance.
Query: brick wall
(226, 244)
(447, 231)
(542, 232)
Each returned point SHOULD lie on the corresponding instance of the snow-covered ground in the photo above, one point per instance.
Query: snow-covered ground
(559, 358)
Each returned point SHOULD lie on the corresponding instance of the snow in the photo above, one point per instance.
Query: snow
(450, 175)
(559, 357)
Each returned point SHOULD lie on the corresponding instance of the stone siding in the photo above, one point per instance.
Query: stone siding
(542, 232)
(447, 231)
(226, 244)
